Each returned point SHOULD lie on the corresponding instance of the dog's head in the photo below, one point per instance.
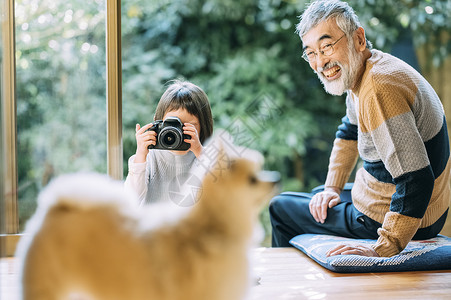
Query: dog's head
(234, 176)
(242, 179)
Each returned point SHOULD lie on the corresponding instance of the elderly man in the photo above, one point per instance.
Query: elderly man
(394, 121)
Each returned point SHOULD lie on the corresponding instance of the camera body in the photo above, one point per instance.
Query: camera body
(170, 135)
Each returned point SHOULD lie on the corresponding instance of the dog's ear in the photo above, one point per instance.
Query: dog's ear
(213, 160)
(223, 157)
(220, 151)
(222, 145)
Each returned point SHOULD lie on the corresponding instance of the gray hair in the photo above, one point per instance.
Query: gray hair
(323, 10)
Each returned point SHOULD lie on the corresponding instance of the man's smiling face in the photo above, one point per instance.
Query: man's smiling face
(338, 71)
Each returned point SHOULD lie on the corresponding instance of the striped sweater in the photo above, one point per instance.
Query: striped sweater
(396, 123)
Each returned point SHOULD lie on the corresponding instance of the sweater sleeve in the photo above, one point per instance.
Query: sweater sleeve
(137, 178)
(344, 153)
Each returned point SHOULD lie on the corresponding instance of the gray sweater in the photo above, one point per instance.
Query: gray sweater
(161, 177)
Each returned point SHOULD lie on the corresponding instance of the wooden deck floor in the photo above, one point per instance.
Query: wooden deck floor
(286, 273)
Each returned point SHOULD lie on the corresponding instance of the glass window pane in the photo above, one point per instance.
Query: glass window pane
(61, 89)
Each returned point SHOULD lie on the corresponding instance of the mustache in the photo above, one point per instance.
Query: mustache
(328, 66)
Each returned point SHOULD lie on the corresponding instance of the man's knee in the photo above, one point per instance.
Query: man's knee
(288, 206)
(277, 207)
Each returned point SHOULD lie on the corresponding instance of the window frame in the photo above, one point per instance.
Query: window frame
(9, 224)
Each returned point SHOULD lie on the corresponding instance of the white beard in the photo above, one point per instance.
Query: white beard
(348, 76)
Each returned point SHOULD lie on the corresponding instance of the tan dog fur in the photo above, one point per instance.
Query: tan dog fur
(89, 239)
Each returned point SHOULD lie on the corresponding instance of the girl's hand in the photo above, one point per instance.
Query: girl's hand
(144, 139)
(196, 146)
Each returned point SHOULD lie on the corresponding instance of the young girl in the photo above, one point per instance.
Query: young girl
(157, 175)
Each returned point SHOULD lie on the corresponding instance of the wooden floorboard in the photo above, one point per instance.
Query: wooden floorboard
(286, 273)
(8, 279)
(289, 274)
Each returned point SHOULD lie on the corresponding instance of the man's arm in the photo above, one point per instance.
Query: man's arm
(344, 155)
(342, 161)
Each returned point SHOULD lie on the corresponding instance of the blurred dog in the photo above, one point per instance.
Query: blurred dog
(89, 240)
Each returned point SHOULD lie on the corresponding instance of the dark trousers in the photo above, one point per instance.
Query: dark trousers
(290, 216)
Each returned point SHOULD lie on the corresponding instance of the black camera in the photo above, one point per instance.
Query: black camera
(170, 135)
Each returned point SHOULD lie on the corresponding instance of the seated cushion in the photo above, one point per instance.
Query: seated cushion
(419, 255)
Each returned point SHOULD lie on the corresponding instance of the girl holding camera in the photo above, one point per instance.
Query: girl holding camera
(157, 174)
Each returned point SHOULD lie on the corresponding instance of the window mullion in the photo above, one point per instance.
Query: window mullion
(9, 126)
(114, 88)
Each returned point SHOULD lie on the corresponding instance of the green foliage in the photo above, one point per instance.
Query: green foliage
(60, 65)
(244, 54)
(248, 60)
(387, 21)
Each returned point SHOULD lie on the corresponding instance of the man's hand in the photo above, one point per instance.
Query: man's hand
(362, 250)
(322, 201)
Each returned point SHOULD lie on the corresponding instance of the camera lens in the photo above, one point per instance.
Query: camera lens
(170, 138)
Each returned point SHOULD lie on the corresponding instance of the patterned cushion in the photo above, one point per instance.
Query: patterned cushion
(419, 255)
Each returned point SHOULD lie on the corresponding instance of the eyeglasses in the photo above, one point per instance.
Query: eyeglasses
(326, 50)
